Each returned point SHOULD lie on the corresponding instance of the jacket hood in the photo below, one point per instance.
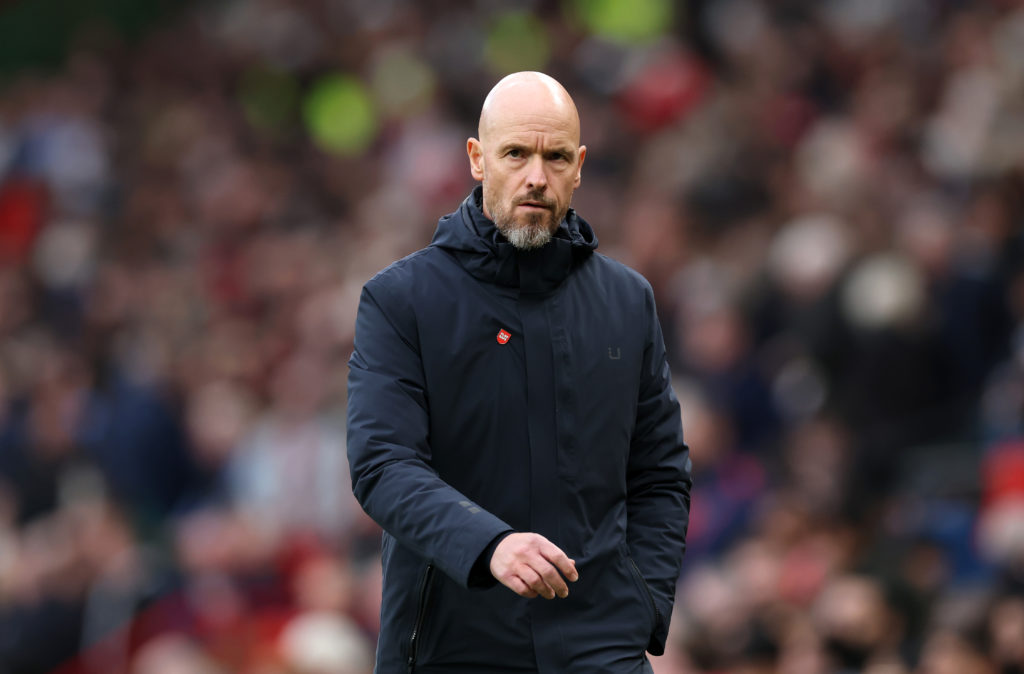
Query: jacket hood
(472, 238)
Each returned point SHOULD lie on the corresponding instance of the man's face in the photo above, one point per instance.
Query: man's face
(528, 159)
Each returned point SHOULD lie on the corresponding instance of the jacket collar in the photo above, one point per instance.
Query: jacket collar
(484, 252)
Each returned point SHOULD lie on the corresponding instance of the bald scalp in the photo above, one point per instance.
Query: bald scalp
(524, 94)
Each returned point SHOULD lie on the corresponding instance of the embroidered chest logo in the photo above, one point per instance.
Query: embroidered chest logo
(504, 336)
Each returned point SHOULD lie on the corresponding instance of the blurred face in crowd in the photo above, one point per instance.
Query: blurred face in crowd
(528, 157)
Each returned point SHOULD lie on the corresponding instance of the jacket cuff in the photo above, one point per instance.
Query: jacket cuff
(480, 576)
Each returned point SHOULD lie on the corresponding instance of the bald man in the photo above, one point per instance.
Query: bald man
(511, 424)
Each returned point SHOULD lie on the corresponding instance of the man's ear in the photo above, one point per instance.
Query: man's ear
(476, 158)
(579, 166)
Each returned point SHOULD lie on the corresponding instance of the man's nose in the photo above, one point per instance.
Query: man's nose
(536, 178)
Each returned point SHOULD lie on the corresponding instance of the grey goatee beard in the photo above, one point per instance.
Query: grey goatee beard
(535, 232)
(525, 237)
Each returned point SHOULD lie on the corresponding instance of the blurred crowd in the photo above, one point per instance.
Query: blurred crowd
(828, 198)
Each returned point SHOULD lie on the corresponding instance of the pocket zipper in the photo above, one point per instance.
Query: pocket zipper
(421, 611)
(647, 589)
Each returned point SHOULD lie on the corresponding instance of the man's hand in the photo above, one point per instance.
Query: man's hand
(529, 565)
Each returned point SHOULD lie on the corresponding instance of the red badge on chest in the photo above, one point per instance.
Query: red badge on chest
(504, 336)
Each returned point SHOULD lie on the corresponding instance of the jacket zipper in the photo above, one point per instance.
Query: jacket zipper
(647, 589)
(421, 611)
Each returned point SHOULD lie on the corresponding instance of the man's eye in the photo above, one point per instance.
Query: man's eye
(515, 154)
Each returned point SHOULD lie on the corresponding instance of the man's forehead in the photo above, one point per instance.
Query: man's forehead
(527, 134)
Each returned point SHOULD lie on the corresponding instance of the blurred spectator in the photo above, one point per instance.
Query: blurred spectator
(288, 471)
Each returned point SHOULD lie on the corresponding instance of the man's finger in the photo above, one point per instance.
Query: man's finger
(561, 561)
(554, 581)
(535, 578)
(517, 585)
(549, 572)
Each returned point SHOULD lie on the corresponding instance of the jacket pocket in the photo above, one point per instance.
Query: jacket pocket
(421, 614)
(646, 591)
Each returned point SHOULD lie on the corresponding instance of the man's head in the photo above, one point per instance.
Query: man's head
(528, 156)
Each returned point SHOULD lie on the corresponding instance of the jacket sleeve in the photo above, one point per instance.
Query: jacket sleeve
(389, 449)
(658, 480)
